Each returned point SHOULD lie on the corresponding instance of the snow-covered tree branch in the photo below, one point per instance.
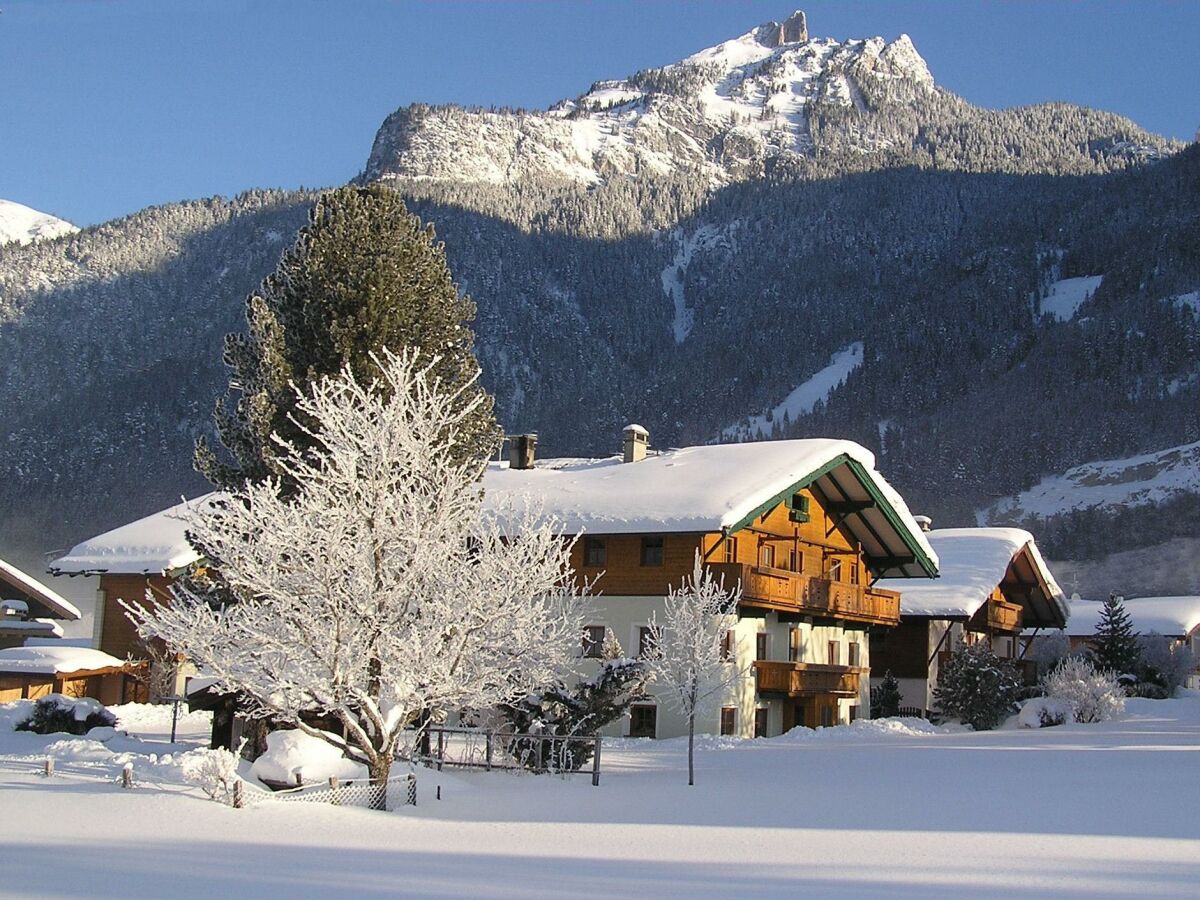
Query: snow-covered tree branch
(380, 591)
(689, 653)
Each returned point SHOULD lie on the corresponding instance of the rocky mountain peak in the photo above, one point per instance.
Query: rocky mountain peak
(794, 30)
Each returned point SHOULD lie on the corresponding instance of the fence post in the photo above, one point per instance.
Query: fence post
(488, 744)
(334, 792)
(441, 748)
(299, 780)
(48, 767)
(596, 764)
(127, 775)
(239, 797)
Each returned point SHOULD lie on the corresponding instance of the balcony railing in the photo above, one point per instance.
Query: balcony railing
(1003, 616)
(791, 592)
(803, 679)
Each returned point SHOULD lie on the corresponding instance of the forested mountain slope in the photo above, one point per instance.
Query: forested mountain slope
(1018, 281)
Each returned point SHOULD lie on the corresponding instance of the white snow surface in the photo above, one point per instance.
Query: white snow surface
(1189, 301)
(1148, 478)
(11, 575)
(152, 545)
(972, 563)
(292, 753)
(47, 660)
(1170, 616)
(704, 238)
(22, 225)
(874, 820)
(804, 396)
(691, 489)
(1065, 296)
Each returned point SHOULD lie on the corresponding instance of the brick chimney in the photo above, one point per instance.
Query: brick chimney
(521, 450)
(634, 441)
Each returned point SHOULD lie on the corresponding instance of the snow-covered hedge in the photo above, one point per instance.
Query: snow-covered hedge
(1043, 712)
(1093, 696)
(294, 753)
(72, 715)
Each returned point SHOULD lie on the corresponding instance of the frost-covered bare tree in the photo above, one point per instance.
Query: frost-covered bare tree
(689, 651)
(381, 590)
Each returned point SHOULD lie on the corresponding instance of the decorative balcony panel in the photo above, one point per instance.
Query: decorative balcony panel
(785, 591)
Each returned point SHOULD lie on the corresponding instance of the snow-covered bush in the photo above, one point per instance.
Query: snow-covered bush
(73, 715)
(1149, 690)
(976, 687)
(584, 710)
(1044, 712)
(213, 771)
(1164, 662)
(297, 756)
(1094, 696)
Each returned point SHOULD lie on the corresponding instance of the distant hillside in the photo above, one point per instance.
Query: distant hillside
(22, 225)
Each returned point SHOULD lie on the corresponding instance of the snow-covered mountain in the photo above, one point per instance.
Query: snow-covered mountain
(23, 225)
(771, 96)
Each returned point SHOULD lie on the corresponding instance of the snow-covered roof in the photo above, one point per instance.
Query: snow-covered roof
(973, 562)
(154, 545)
(42, 627)
(56, 660)
(1171, 616)
(719, 487)
(16, 585)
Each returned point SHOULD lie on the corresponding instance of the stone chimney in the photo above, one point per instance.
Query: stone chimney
(924, 523)
(634, 441)
(521, 450)
(793, 31)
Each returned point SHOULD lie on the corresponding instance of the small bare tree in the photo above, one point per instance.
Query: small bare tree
(380, 590)
(689, 651)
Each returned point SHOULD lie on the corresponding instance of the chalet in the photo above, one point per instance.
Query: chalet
(806, 527)
(1175, 618)
(33, 672)
(29, 609)
(993, 584)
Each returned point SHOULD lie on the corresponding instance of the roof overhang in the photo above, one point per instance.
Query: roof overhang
(1029, 583)
(862, 511)
(43, 602)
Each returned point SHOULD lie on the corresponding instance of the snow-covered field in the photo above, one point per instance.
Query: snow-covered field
(876, 809)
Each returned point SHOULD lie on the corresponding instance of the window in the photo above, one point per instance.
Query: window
(730, 549)
(760, 645)
(594, 552)
(835, 655)
(854, 573)
(853, 713)
(643, 720)
(727, 646)
(760, 722)
(795, 645)
(854, 654)
(593, 641)
(834, 572)
(799, 508)
(652, 551)
(828, 716)
(766, 555)
(728, 720)
(644, 642)
(795, 560)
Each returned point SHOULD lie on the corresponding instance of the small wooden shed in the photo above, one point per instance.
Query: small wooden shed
(33, 672)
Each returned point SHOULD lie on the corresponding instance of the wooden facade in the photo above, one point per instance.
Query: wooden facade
(113, 685)
(117, 634)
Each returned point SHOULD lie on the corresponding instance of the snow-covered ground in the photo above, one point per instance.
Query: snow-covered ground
(22, 225)
(865, 811)
(1065, 296)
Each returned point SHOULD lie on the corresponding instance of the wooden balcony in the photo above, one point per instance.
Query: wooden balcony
(806, 679)
(997, 615)
(785, 591)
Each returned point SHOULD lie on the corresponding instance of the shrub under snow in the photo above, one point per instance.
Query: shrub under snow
(213, 771)
(72, 715)
(1093, 696)
(1044, 712)
(294, 754)
(976, 687)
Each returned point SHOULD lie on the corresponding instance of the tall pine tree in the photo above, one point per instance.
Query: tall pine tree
(1115, 648)
(363, 274)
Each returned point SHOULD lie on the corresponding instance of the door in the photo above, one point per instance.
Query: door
(643, 720)
(760, 723)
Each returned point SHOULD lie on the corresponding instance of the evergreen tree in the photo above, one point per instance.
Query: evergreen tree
(885, 699)
(364, 274)
(1115, 648)
(976, 687)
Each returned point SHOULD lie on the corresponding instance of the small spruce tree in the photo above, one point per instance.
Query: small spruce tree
(363, 275)
(1115, 648)
(885, 699)
(976, 687)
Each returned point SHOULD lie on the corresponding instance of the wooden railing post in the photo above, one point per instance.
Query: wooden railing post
(596, 764)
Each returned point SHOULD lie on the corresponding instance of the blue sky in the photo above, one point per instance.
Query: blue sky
(112, 105)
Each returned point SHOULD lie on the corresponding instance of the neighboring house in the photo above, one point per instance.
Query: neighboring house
(29, 609)
(1176, 618)
(135, 562)
(993, 584)
(33, 672)
(804, 526)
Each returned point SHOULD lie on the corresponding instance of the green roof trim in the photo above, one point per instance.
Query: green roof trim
(868, 484)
